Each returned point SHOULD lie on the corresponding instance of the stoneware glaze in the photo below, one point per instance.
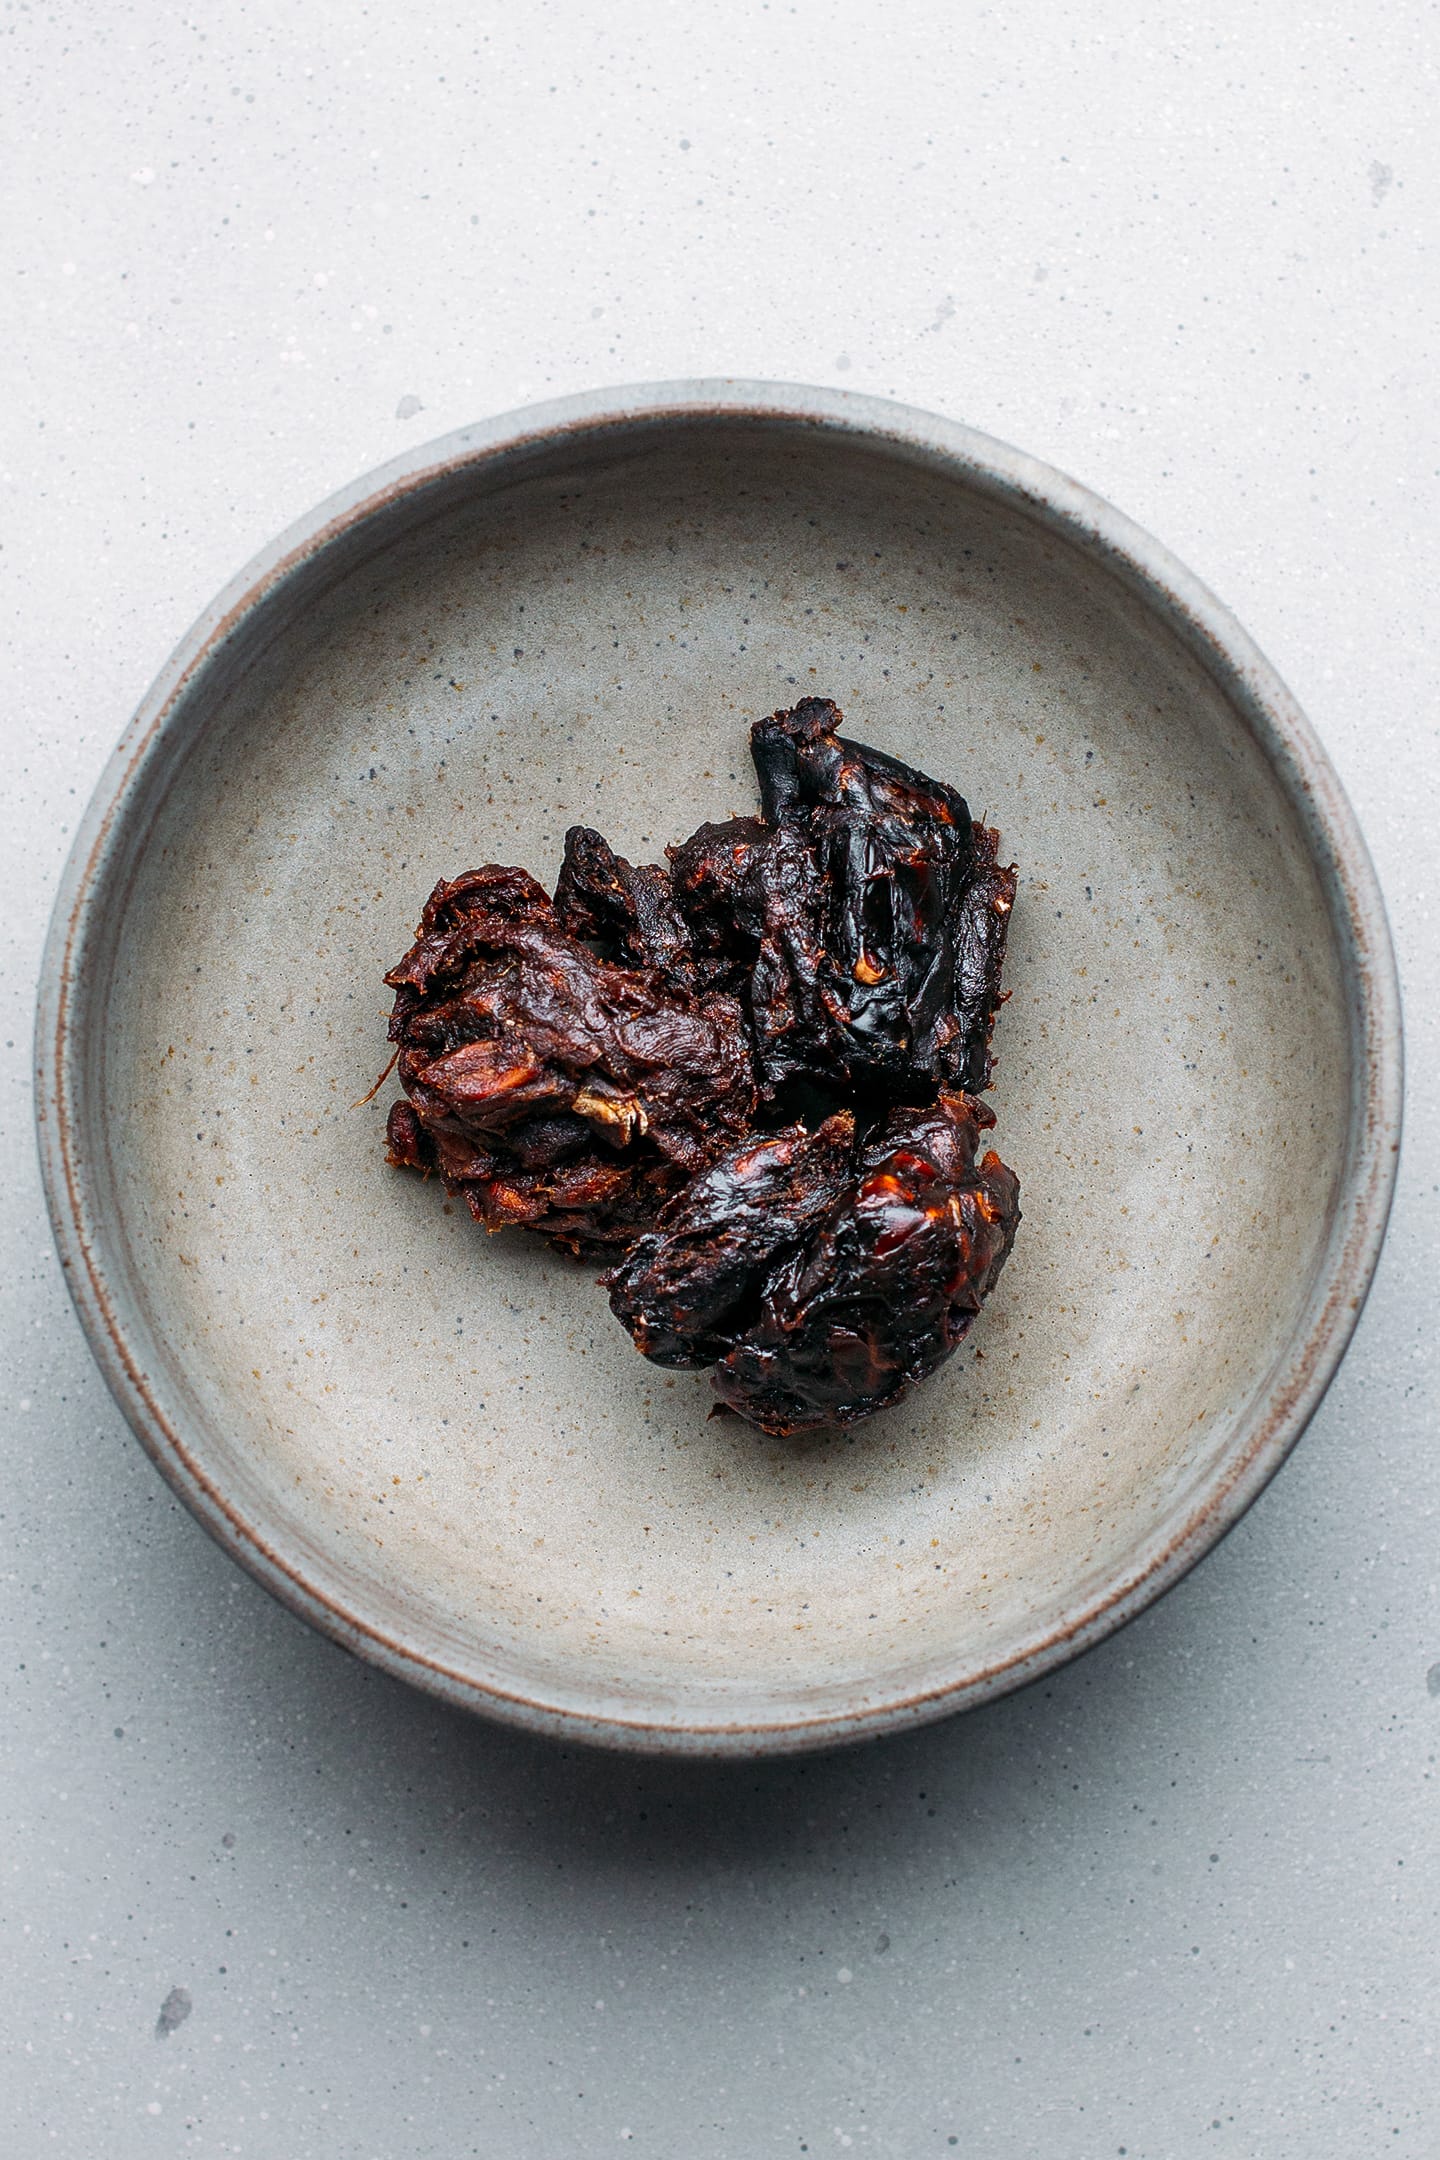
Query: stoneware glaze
(440, 1447)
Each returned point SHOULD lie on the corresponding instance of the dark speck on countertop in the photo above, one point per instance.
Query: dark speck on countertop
(173, 2011)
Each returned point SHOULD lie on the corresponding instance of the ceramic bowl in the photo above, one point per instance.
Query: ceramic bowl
(440, 1448)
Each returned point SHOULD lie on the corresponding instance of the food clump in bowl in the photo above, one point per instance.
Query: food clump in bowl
(748, 1077)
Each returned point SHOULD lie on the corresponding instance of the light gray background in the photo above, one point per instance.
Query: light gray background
(1180, 1900)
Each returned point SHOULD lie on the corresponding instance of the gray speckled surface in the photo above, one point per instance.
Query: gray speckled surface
(1182, 1898)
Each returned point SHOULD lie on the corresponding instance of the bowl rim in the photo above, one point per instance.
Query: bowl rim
(1287, 1396)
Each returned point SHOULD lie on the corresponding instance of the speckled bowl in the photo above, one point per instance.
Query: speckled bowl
(440, 1448)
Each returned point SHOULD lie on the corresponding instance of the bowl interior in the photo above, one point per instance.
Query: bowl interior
(447, 1436)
